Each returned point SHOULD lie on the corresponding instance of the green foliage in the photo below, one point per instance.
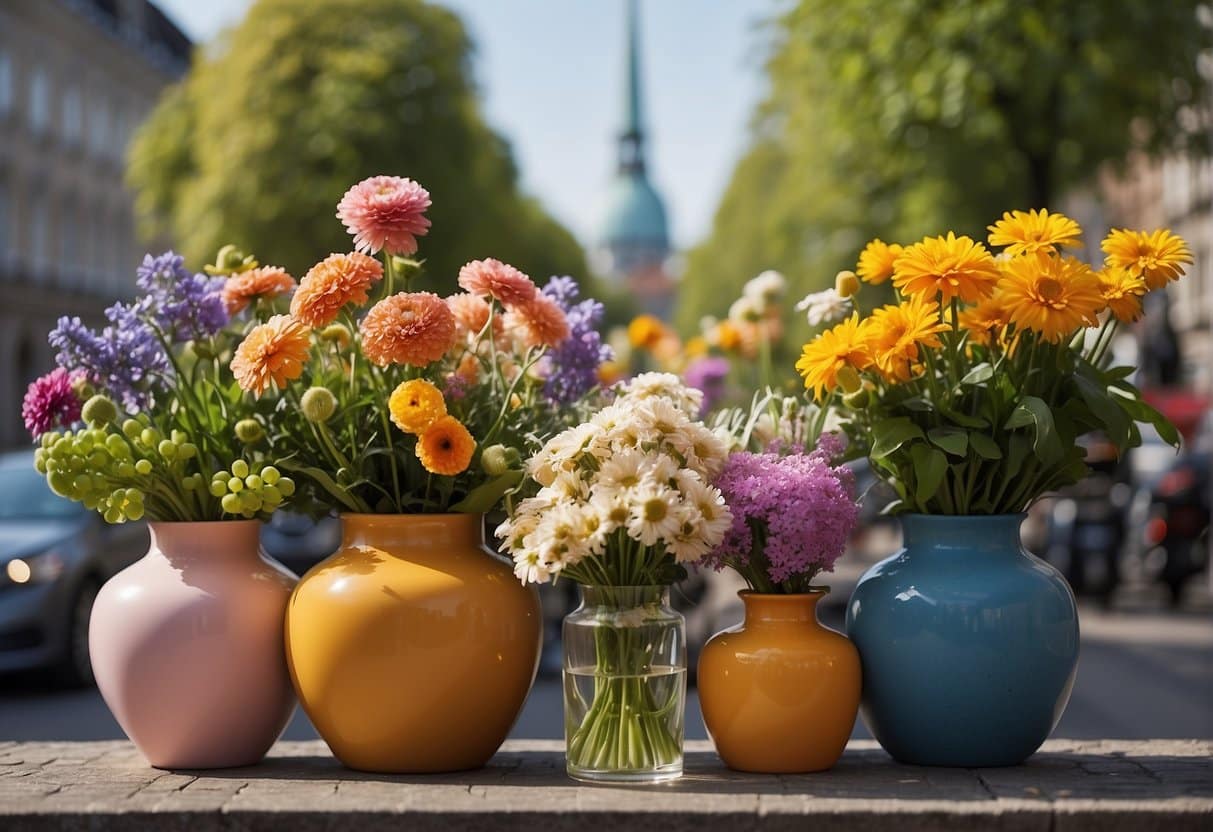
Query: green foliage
(891, 118)
(301, 100)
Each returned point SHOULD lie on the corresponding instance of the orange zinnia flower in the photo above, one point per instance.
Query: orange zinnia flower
(471, 313)
(332, 283)
(272, 353)
(540, 322)
(244, 287)
(416, 328)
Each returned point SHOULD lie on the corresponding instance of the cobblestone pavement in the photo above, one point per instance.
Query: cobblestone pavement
(1071, 785)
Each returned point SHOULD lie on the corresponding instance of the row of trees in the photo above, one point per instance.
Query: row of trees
(301, 100)
(897, 118)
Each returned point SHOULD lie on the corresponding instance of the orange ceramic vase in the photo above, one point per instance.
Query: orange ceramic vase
(779, 692)
(413, 647)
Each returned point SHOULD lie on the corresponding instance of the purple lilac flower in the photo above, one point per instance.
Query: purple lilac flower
(50, 402)
(802, 506)
(708, 375)
(184, 306)
(124, 360)
(575, 362)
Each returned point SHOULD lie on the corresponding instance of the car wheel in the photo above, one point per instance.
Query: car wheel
(76, 668)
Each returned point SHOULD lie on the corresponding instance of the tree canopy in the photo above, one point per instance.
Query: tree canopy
(301, 100)
(897, 118)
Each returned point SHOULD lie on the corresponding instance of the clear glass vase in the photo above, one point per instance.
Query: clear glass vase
(625, 679)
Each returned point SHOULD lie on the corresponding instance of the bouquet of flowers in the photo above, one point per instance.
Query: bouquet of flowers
(624, 501)
(970, 392)
(417, 403)
(792, 516)
(143, 418)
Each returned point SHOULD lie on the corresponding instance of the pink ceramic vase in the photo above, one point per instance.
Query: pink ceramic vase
(186, 645)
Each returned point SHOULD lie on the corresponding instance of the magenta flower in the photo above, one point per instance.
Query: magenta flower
(50, 402)
(385, 212)
(792, 516)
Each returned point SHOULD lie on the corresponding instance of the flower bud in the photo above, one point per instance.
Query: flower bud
(143, 466)
(270, 475)
(249, 431)
(319, 404)
(848, 379)
(857, 400)
(99, 410)
(493, 460)
(240, 468)
(846, 283)
(339, 334)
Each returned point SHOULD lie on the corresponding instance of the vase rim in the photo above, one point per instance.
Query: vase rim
(232, 523)
(818, 593)
(920, 515)
(406, 515)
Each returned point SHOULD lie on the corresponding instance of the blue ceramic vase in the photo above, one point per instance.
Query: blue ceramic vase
(969, 644)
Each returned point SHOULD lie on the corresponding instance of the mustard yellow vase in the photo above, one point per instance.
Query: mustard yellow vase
(413, 647)
(779, 692)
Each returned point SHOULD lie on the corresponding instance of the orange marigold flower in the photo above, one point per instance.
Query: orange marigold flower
(876, 261)
(332, 283)
(243, 288)
(492, 278)
(1122, 291)
(415, 405)
(446, 447)
(845, 345)
(414, 328)
(895, 333)
(1159, 256)
(947, 267)
(272, 353)
(540, 322)
(1023, 232)
(1051, 295)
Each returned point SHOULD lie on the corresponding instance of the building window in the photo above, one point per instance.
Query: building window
(39, 237)
(99, 126)
(72, 116)
(6, 83)
(39, 100)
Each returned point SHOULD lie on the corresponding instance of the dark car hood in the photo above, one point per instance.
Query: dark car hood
(22, 538)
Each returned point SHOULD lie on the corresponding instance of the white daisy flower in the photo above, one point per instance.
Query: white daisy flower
(530, 568)
(747, 309)
(768, 287)
(824, 307)
(652, 514)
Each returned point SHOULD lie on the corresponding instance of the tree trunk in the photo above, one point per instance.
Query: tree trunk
(1040, 180)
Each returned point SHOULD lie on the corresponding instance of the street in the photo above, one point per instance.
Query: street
(1142, 675)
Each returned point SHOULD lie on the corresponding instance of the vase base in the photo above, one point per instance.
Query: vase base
(660, 775)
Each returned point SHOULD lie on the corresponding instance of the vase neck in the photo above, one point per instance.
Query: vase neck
(946, 536)
(183, 543)
(762, 608)
(624, 597)
(412, 531)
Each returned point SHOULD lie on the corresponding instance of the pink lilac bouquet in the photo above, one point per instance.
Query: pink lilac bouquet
(792, 516)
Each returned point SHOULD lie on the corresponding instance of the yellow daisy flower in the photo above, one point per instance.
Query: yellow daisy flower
(1051, 295)
(415, 405)
(876, 261)
(846, 345)
(947, 267)
(985, 320)
(645, 331)
(1023, 232)
(895, 333)
(1159, 256)
(1122, 291)
(446, 447)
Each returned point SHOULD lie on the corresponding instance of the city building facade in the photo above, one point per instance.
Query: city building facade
(76, 78)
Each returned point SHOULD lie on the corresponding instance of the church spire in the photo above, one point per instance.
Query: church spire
(631, 139)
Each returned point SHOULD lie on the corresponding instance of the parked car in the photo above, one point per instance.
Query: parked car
(54, 557)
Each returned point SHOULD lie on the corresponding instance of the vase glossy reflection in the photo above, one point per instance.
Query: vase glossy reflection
(186, 646)
(413, 647)
(779, 691)
(969, 643)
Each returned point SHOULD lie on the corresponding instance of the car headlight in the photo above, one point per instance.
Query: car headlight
(37, 569)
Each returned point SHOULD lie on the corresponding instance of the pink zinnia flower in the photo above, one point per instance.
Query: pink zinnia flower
(498, 280)
(540, 322)
(50, 402)
(385, 212)
(414, 329)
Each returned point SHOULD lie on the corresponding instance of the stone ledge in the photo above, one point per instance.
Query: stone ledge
(1103, 785)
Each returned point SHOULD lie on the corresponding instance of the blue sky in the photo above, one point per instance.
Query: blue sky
(551, 72)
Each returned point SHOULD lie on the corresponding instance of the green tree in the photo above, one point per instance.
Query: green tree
(300, 101)
(897, 118)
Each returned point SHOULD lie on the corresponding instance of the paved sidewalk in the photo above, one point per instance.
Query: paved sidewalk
(1103, 785)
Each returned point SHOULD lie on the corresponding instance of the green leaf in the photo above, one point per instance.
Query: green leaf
(891, 434)
(953, 440)
(978, 375)
(1106, 409)
(963, 419)
(1034, 411)
(484, 497)
(326, 482)
(1142, 412)
(984, 446)
(930, 466)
